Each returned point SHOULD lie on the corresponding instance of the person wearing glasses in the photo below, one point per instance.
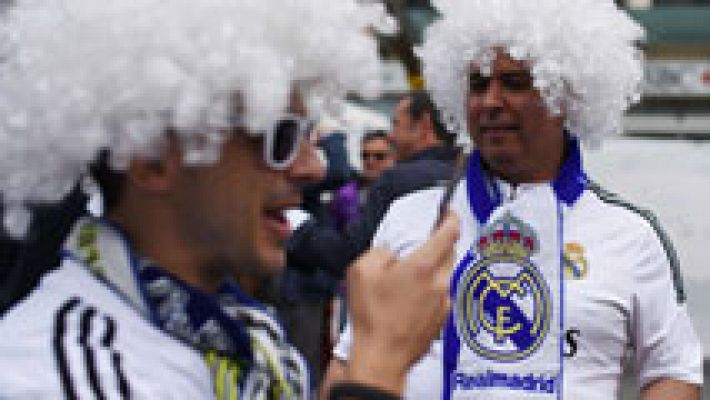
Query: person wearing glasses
(558, 284)
(377, 155)
(425, 157)
(190, 120)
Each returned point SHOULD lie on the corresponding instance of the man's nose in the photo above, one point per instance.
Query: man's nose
(493, 96)
(307, 167)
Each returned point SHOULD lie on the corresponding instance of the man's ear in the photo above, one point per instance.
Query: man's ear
(425, 126)
(157, 175)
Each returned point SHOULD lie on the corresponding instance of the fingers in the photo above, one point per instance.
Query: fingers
(436, 251)
(448, 231)
(444, 312)
(375, 259)
(443, 271)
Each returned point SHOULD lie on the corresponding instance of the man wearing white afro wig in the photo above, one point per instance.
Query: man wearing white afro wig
(190, 119)
(559, 285)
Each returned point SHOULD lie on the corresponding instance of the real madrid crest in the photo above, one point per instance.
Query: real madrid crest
(575, 262)
(502, 302)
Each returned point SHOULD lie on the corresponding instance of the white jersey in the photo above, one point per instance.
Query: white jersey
(101, 326)
(75, 338)
(623, 300)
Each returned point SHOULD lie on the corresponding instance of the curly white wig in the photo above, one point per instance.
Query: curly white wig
(582, 54)
(79, 76)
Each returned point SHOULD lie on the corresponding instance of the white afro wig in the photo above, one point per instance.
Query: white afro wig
(79, 76)
(582, 54)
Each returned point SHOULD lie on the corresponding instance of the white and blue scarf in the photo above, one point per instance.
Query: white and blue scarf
(243, 344)
(503, 338)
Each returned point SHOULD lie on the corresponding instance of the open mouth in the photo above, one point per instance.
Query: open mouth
(276, 222)
(499, 129)
(278, 216)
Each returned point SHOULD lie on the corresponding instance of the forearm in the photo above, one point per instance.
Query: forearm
(358, 380)
(670, 389)
(378, 367)
(358, 391)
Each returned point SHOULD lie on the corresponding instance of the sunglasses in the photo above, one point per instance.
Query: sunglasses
(510, 81)
(282, 141)
(375, 155)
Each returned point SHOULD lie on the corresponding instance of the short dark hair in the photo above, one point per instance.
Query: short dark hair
(376, 134)
(111, 182)
(419, 103)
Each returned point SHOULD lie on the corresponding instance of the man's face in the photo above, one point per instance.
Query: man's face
(233, 211)
(403, 133)
(377, 157)
(519, 139)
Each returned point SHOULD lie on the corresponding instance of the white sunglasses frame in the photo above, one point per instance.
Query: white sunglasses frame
(304, 127)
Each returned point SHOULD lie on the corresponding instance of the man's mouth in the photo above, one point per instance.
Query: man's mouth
(276, 221)
(278, 216)
(499, 129)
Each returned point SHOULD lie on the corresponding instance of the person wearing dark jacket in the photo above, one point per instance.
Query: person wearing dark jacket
(337, 172)
(426, 158)
(377, 155)
(24, 262)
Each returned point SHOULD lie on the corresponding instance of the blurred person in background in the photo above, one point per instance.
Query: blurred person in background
(24, 262)
(302, 297)
(558, 283)
(190, 118)
(377, 155)
(425, 157)
(418, 132)
(337, 171)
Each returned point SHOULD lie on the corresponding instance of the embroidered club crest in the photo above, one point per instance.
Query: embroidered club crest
(575, 262)
(502, 302)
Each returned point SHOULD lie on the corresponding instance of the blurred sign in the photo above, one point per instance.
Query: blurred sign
(677, 78)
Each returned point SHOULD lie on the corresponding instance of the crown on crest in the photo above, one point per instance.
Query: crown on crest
(508, 236)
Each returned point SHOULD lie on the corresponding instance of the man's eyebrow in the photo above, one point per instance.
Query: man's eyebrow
(510, 72)
(520, 72)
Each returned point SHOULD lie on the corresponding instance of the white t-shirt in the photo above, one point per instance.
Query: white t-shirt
(621, 298)
(73, 337)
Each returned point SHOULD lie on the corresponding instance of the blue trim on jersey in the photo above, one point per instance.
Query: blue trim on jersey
(571, 180)
(452, 343)
(482, 201)
(560, 235)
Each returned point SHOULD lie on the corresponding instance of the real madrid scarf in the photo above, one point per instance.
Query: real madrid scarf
(503, 338)
(243, 345)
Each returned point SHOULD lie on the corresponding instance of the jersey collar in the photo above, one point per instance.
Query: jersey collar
(484, 193)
